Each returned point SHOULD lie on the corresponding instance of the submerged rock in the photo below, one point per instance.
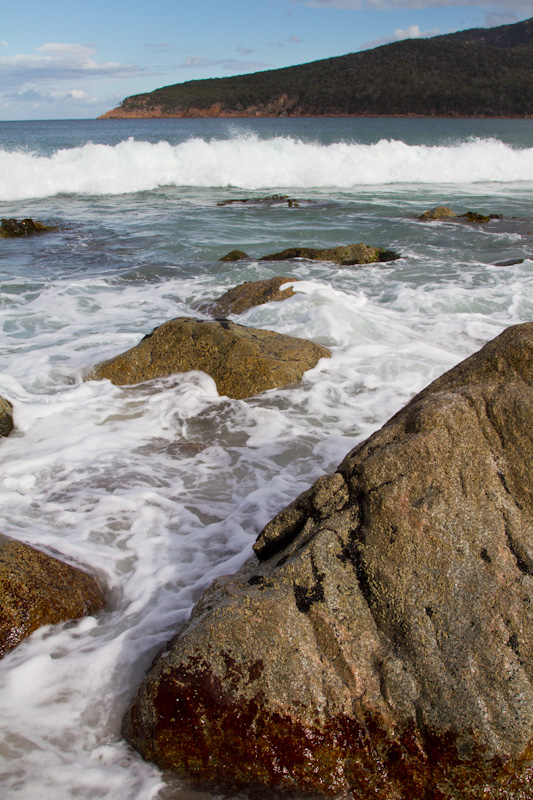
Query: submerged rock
(380, 642)
(249, 294)
(242, 361)
(345, 255)
(6, 417)
(11, 228)
(37, 589)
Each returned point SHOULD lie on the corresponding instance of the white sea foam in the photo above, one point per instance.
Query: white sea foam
(251, 163)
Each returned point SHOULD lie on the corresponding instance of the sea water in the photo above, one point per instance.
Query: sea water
(158, 488)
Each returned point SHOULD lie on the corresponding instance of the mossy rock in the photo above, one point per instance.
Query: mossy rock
(345, 255)
(12, 229)
(476, 217)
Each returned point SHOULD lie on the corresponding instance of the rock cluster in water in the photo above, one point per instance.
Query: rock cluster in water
(346, 255)
(380, 642)
(37, 589)
(443, 212)
(242, 361)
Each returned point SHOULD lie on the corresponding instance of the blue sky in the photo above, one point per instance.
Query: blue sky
(72, 59)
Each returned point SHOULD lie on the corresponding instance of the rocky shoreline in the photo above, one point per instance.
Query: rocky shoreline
(379, 642)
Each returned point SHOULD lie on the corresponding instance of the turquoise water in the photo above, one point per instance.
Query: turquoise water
(106, 476)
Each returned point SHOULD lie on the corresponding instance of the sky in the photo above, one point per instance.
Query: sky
(74, 59)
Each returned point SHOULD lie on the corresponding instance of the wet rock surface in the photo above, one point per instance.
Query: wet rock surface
(235, 255)
(380, 642)
(12, 229)
(443, 212)
(6, 417)
(439, 212)
(346, 255)
(242, 361)
(37, 589)
(271, 200)
(250, 294)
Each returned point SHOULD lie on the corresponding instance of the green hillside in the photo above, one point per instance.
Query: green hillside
(480, 72)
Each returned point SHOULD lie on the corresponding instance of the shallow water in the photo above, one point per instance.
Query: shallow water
(159, 488)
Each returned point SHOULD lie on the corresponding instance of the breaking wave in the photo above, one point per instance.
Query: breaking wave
(253, 163)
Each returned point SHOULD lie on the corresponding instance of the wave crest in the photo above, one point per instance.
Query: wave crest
(253, 163)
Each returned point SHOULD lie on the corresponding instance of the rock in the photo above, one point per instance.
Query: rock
(272, 199)
(511, 262)
(235, 255)
(443, 212)
(249, 294)
(440, 212)
(242, 361)
(475, 216)
(345, 254)
(37, 589)
(11, 229)
(380, 643)
(6, 417)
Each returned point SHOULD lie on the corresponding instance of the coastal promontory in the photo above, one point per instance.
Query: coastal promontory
(483, 72)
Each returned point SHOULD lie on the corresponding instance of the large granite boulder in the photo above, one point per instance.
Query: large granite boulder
(346, 255)
(37, 589)
(242, 361)
(380, 642)
(248, 295)
(6, 417)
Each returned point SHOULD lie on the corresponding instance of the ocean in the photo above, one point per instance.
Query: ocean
(159, 488)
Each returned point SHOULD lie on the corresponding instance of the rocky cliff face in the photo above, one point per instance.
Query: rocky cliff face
(143, 106)
(380, 642)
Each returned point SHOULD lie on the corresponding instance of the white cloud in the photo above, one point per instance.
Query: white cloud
(57, 61)
(245, 51)
(413, 32)
(59, 79)
(227, 64)
(289, 40)
(160, 47)
(4, 44)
